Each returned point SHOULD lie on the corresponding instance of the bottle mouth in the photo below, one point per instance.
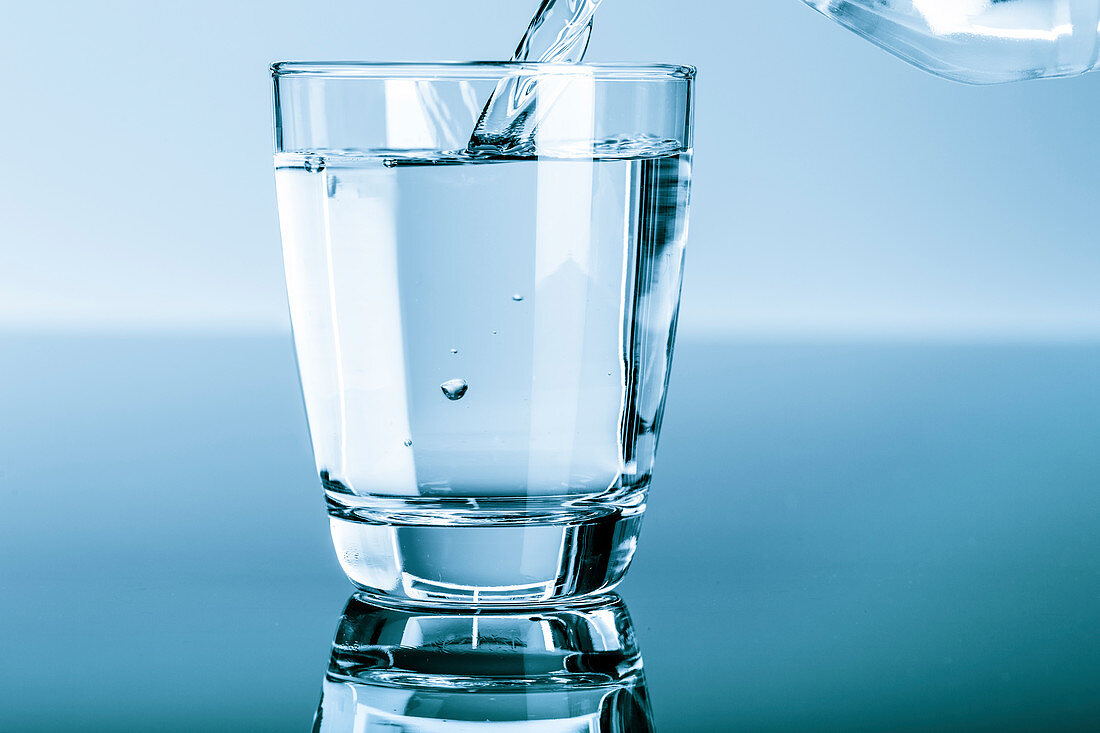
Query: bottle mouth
(479, 70)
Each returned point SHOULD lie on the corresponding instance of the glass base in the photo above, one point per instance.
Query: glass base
(503, 553)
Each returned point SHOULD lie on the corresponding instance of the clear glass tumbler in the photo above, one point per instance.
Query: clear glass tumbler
(483, 340)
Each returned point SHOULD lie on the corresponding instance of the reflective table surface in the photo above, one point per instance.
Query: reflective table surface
(840, 537)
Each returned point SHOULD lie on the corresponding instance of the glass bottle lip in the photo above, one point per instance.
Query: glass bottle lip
(478, 70)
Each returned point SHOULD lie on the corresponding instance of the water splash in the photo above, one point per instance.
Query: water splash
(558, 33)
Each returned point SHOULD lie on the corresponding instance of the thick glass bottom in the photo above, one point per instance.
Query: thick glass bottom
(506, 553)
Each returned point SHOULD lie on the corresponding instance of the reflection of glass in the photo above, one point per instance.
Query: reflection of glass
(484, 341)
(568, 670)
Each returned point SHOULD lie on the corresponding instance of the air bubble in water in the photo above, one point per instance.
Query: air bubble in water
(454, 351)
(408, 443)
(314, 163)
(454, 388)
(517, 297)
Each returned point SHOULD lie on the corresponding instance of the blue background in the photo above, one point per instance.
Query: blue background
(837, 191)
(876, 504)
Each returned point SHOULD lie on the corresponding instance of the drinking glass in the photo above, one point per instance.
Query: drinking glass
(483, 339)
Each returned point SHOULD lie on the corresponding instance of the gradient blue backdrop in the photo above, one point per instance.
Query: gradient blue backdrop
(837, 191)
(857, 536)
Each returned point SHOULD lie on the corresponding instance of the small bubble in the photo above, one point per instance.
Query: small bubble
(314, 163)
(408, 443)
(454, 351)
(453, 389)
(517, 297)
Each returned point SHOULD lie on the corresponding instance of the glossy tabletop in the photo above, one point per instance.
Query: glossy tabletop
(841, 536)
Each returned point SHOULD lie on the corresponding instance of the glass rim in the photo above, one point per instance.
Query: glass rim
(478, 70)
